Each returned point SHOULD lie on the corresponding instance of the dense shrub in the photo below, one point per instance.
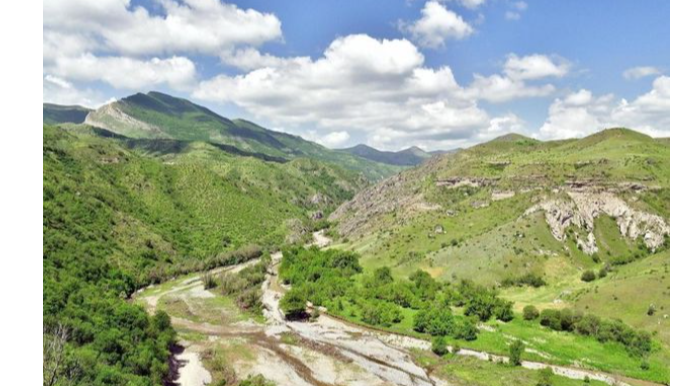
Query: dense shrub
(588, 276)
(545, 377)
(435, 319)
(380, 313)
(439, 345)
(551, 318)
(636, 342)
(515, 350)
(503, 310)
(467, 329)
(317, 276)
(529, 279)
(293, 304)
(530, 312)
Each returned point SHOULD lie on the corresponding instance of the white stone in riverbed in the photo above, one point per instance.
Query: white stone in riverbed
(192, 372)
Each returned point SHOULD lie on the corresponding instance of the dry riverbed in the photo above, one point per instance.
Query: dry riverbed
(325, 352)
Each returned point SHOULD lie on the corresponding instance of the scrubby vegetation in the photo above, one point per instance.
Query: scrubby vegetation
(116, 219)
(638, 343)
(256, 380)
(245, 285)
(529, 279)
(333, 279)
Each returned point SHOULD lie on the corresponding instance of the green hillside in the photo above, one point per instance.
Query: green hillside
(492, 213)
(119, 214)
(55, 114)
(159, 116)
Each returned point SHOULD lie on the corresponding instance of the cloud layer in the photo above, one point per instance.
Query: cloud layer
(379, 88)
(581, 113)
(359, 89)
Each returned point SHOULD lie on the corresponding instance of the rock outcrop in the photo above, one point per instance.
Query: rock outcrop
(111, 117)
(581, 208)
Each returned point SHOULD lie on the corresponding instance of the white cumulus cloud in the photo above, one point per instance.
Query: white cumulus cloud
(126, 73)
(204, 26)
(518, 71)
(437, 25)
(127, 46)
(581, 113)
(378, 88)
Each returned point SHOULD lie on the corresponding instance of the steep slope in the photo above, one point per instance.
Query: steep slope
(159, 116)
(224, 196)
(119, 214)
(408, 157)
(55, 114)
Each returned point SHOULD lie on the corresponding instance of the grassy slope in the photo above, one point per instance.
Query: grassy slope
(491, 243)
(55, 114)
(468, 371)
(488, 244)
(619, 296)
(545, 345)
(191, 204)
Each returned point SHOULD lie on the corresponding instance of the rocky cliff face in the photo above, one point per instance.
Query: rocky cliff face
(113, 118)
(581, 208)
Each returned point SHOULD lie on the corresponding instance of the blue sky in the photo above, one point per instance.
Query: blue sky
(438, 74)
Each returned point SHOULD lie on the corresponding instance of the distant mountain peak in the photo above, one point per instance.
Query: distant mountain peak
(411, 156)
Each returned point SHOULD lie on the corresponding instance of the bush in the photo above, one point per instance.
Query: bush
(439, 346)
(545, 377)
(380, 313)
(588, 276)
(293, 304)
(530, 312)
(256, 380)
(425, 287)
(209, 281)
(644, 365)
(529, 279)
(503, 310)
(603, 272)
(516, 350)
(638, 343)
(551, 319)
(436, 319)
(467, 329)
(481, 305)
(568, 319)
(588, 325)
(250, 300)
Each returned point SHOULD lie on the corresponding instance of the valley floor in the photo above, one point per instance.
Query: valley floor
(222, 342)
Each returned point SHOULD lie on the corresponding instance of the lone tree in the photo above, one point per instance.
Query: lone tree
(516, 350)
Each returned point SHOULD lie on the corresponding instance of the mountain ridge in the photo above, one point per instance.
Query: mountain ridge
(156, 115)
(410, 156)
